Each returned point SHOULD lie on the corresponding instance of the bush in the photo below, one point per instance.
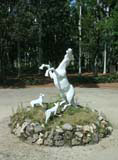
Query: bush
(109, 78)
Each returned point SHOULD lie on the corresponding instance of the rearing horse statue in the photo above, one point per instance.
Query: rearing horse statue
(60, 79)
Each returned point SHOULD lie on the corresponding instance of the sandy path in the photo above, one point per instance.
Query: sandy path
(11, 148)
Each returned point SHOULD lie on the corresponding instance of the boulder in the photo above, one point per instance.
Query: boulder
(38, 128)
(40, 141)
(29, 130)
(48, 142)
(68, 135)
(79, 134)
(59, 143)
(59, 130)
(75, 142)
(35, 137)
(67, 127)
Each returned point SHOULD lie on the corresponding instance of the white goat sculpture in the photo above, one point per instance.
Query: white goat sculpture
(37, 101)
(51, 111)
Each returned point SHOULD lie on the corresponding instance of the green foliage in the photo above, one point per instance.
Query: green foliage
(36, 32)
(98, 79)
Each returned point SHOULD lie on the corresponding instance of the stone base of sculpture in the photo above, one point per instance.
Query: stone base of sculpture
(73, 127)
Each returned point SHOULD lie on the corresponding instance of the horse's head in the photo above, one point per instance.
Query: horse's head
(69, 50)
(69, 54)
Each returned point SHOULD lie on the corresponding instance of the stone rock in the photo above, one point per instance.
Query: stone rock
(79, 128)
(86, 128)
(59, 143)
(95, 138)
(41, 135)
(91, 129)
(29, 130)
(17, 125)
(68, 135)
(35, 137)
(104, 122)
(86, 140)
(38, 128)
(24, 125)
(94, 126)
(59, 130)
(32, 124)
(46, 134)
(58, 137)
(100, 118)
(75, 142)
(48, 142)
(17, 131)
(51, 134)
(67, 127)
(40, 141)
(79, 134)
(110, 129)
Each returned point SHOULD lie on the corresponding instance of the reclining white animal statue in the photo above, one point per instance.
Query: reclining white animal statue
(37, 101)
(59, 77)
(51, 111)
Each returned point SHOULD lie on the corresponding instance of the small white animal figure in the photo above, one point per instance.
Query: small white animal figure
(37, 101)
(51, 111)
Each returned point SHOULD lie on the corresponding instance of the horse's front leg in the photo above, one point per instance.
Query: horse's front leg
(62, 102)
(50, 72)
(65, 106)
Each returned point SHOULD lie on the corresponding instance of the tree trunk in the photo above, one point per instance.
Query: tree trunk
(105, 59)
(80, 39)
(19, 59)
(95, 67)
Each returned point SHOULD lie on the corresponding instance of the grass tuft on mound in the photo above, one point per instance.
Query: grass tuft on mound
(73, 115)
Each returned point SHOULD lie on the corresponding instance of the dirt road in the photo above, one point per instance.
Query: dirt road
(105, 100)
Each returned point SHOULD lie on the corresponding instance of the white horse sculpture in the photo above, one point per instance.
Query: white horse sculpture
(59, 77)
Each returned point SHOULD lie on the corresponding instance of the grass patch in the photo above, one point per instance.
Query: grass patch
(80, 115)
(35, 114)
(73, 115)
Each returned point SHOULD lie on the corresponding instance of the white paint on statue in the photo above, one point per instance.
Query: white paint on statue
(38, 101)
(51, 111)
(60, 79)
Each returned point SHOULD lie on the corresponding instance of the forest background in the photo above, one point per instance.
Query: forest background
(33, 32)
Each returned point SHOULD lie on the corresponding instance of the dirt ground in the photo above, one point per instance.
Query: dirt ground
(92, 85)
(104, 99)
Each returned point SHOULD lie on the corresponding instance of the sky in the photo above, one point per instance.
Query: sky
(72, 2)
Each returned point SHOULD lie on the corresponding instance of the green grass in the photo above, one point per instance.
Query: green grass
(36, 114)
(80, 115)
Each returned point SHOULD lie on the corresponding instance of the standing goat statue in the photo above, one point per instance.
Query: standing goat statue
(51, 111)
(37, 101)
(59, 77)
